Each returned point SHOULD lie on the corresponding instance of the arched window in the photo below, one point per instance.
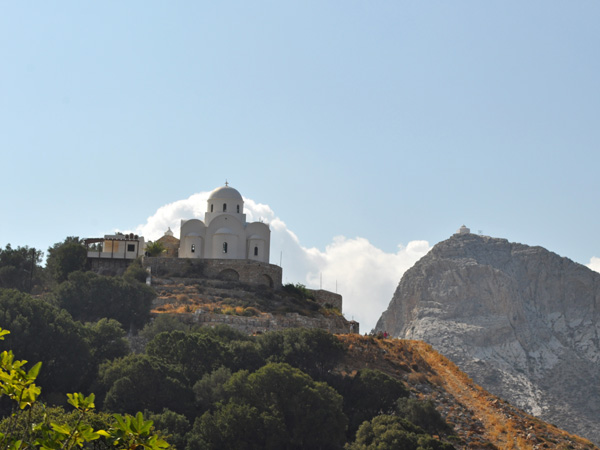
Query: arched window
(193, 248)
(224, 207)
(255, 251)
(224, 247)
(211, 208)
(238, 209)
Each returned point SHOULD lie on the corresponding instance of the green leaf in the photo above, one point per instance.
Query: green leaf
(34, 371)
(61, 428)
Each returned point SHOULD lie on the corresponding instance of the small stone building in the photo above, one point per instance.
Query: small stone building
(170, 243)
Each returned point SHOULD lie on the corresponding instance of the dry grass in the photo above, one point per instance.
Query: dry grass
(480, 419)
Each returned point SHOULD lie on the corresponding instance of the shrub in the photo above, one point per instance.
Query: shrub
(423, 414)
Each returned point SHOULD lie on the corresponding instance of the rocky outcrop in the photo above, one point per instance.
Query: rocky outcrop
(523, 322)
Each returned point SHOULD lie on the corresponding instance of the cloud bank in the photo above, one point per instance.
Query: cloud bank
(363, 274)
(594, 264)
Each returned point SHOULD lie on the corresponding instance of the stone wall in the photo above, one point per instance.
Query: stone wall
(109, 266)
(269, 322)
(244, 270)
(327, 298)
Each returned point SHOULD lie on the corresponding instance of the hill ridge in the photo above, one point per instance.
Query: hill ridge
(523, 321)
(480, 419)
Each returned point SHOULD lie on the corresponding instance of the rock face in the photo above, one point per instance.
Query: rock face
(523, 322)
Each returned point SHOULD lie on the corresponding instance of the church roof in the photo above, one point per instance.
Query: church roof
(225, 192)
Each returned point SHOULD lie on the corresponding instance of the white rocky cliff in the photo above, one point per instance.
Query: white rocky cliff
(523, 322)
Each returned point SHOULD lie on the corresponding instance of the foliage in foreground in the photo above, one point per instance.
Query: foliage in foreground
(18, 385)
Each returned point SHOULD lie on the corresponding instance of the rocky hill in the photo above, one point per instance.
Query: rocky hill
(246, 307)
(523, 322)
(479, 420)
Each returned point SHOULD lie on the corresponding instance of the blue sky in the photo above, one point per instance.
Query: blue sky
(393, 122)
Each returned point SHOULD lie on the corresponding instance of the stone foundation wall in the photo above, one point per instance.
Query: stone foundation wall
(324, 298)
(269, 322)
(244, 270)
(109, 266)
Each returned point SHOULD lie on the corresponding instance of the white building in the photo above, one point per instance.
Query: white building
(224, 234)
(463, 230)
(116, 246)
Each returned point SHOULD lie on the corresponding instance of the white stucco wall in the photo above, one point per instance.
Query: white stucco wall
(221, 227)
(192, 232)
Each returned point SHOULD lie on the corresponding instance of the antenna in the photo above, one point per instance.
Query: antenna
(321, 282)
(280, 257)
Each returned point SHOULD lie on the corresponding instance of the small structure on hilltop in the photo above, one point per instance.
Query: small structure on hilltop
(463, 230)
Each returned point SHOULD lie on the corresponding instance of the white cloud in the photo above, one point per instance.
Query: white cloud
(594, 264)
(365, 275)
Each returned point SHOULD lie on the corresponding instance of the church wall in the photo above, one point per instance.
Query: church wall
(233, 246)
(208, 216)
(192, 232)
(253, 272)
(256, 246)
(225, 228)
(257, 232)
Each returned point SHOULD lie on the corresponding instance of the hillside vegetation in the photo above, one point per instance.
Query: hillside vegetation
(480, 420)
(213, 387)
(184, 295)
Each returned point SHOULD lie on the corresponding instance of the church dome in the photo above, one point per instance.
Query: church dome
(225, 192)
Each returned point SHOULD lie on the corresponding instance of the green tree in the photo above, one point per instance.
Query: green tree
(20, 268)
(90, 297)
(194, 354)
(126, 432)
(368, 394)
(422, 413)
(136, 272)
(245, 355)
(235, 426)
(172, 425)
(310, 411)
(210, 389)
(140, 382)
(42, 332)
(155, 248)
(386, 432)
(312, 350)
(65, 258)
(163, 323)
(106, 339)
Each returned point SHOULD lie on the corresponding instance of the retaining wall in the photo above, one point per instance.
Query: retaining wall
(327, 298)
(269, 322)
(244, 270)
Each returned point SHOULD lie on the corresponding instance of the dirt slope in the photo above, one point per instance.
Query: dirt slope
(480, 420)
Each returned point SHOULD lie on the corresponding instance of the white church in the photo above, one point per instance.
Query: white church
(224, 234)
